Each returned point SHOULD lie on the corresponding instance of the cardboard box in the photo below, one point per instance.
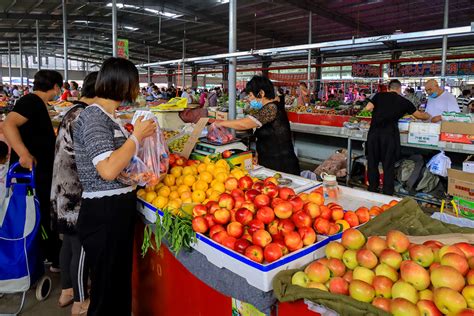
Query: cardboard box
(465, 207)
(457, 132)
(222, 115)
(423, 139)
(461, 184)
(211, 114)
(468, 164)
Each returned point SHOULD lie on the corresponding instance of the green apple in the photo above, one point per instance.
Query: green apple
(426, 295)
(402, 289)
(350, 259)
(403, 307)
(300, 278)
(363, 274)
(317, 285)
(468, 293)
(387, 271)
(334, 250)
(449, 301)
(444, 276)
(361, 291)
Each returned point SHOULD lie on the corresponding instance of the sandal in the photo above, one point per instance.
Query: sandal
(66, 298)
(80, 308)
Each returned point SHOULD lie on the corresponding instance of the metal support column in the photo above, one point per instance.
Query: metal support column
(194, 77)
(445, 44)
(148, 70)
(114, 28)
(9, 63)
(66, 65)
(319, 71)
(21, 59)
(265, 65)
(169, 77)
(183, 68)
(232, 77)
(310, 39)
(38, 55)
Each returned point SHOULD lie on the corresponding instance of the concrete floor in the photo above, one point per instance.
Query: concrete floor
(48, 307)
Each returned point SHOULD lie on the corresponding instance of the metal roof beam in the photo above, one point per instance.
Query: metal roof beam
(322, 10)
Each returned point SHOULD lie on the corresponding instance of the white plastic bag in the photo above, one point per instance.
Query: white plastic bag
(439, 164)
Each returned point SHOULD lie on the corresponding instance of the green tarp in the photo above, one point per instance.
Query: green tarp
(406, 217)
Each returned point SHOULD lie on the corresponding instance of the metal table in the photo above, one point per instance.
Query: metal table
(358, 135)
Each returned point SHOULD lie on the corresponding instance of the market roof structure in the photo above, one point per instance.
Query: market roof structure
(203, 24)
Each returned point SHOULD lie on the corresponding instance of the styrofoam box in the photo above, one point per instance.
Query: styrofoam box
(425, 128)
(257, 275)
(299, 184)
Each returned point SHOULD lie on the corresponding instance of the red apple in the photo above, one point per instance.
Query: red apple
(254, 225)
(261, 238)
(243, 216)
(220, 236)
(450, 249)
(397, 241)
(283, 210)
(199, 210)
(200, 225)
(337, 214)
(466, 312)
(245, 183)
(456, 261)
(273, 229)
(286, 226)
(272, 252)
(321, 226)
(270, 180)
(239, 201)
(247, 235)
(226, 201)
(293, 241)
(297, 203)
(391, 258)
(258, 186)
(231, 184)
(445, 276)
(265, 214)
(237, 192)
(286, 193)
(351, 218)
(229, 242)
(433, 244)
(337, 267)
(308, 236)
(255, 253)
(376, 244)
(348, 276)
(235, 229)
(334, 229)
(212, 207)
(470, 277)
(367, 258)
(338, 285)
(434, 265)
(215, 229)
(312, 209)
(301, 219)
(251, 194)
(363, 214)
(326, 212)
(261, 200)
(271, 190)
(281, 243)
(428, 308)
(382, 286)
(249, 206)
(402, 307)
(466, 248)
(421, 254)
(415, 275)
(241, 245)
(277, 201)
(382, 303)
(222, 216)
(317, 272)
(352, 239)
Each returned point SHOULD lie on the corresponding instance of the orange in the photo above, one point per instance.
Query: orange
(189, 180)
(304, 196)
(149, 189)
(164, 191)
(219, 187)
(169, 180)
(186, 195)
(150, 196)
(201, 168)
(176, 171)
(206, 177)
(160, 202)
(317, 198)
(198, 196)
(159, 186)
(221, 177)
(207, 160)
(210, 167)
(174, 204)
(141, 193)
(174, 195)
(179, 180)
(215, 196)
(188, 171)
(200, 185)
(209, 192)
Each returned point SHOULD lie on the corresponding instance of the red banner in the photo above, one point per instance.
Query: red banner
(365, 71)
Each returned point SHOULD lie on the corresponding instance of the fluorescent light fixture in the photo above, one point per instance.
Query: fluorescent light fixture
(121, 6)
(131, 28)
(80, 21)
(154, 11)
(222, 1)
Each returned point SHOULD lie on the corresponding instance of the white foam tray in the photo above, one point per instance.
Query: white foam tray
(299, 184)
(257, 275)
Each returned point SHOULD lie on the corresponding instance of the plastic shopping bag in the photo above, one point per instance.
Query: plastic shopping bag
(439, 164)
(219, 134)
(151, 161)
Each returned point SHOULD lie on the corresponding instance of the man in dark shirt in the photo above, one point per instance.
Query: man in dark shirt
(29, 131)
(383, 140)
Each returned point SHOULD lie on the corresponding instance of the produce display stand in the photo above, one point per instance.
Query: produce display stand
(163, 282)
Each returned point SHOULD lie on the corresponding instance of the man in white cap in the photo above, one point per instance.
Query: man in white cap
(439, 101)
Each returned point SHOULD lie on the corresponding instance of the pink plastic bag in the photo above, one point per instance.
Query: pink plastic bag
(219, 134)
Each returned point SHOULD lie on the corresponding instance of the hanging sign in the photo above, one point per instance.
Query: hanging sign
(365, 71)
(122, 48)
(459, 68)
(289, 79)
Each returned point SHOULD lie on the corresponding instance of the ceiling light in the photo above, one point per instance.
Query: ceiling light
(131, 28)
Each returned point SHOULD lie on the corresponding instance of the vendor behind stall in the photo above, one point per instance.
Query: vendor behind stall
(274, 146)
(439, 101)
(383, 140)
